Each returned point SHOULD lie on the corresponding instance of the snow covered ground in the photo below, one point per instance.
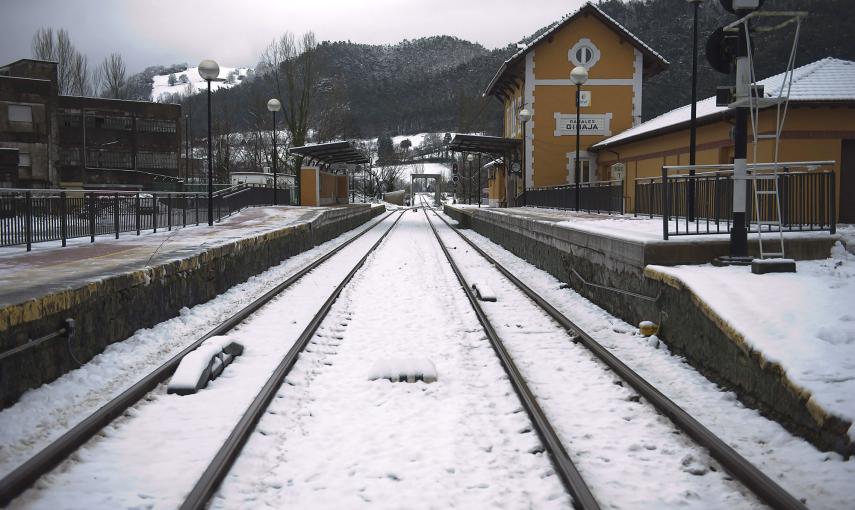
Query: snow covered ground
(805, 320)
(630, 455)
(333, 438)
(43, 414)
(823, 480)
(194, 84)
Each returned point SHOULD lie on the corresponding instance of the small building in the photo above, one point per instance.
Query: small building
(820, 126)
(537, 78)
(84, 142)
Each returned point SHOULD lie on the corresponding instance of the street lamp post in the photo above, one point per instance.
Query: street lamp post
(524, 116)
(470, 158)
(209, 70)
(578, 76)
(693, 122)
(274, 106)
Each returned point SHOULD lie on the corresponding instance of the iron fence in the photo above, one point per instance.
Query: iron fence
(33, 216)
(807, 198)
(600, 197)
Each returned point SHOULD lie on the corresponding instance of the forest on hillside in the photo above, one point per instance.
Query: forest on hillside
(436, 83)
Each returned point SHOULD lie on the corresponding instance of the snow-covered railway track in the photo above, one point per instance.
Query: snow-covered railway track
(147, 389)
(539, 351)
(338, 434)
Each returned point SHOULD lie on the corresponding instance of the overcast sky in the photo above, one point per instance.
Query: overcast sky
(234, 32)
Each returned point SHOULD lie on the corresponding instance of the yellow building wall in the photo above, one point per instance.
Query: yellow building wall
(309, 186)
(327, 192)
(810, 134)
(550, 164)
(341, 189)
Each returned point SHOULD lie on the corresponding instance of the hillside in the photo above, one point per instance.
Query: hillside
(435, 83)
(172, 86)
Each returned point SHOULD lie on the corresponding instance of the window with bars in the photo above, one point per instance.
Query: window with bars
(108, 159)
(156, 125)
(109, 122)
(69, 119)
(158, 160)
(69, 156)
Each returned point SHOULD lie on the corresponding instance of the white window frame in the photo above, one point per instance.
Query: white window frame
(584, 43)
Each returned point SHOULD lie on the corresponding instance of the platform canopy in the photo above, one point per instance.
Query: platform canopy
(480, 144)
(332, 152)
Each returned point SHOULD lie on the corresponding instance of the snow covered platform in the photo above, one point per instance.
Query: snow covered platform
(798, 325)
(115, 286)
(784, 342)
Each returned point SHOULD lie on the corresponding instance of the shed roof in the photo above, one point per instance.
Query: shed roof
(653, 62)
(828, 80)
(483, 144)
(332, 152)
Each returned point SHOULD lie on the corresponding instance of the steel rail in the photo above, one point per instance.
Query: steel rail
(25, 475)
(570, 476)
(228, 453)
(741, 468)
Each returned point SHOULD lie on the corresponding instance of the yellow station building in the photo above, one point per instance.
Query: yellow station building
(537, 78)
(820, 123)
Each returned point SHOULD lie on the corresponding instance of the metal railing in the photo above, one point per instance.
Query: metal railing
(806, 191)
(30, 216)
(599, 197)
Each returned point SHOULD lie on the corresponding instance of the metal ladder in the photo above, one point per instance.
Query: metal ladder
(768, 190)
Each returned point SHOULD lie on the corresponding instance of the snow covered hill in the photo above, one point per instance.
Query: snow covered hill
(189, 82)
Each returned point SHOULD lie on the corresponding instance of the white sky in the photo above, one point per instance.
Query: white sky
(234, 32)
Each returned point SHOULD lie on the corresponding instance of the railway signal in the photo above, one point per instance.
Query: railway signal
(727, 53)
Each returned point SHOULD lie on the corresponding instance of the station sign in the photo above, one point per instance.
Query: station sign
(565, 124)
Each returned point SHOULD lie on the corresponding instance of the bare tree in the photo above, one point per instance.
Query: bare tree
(112, 75)
(72, 68)
(294, 71)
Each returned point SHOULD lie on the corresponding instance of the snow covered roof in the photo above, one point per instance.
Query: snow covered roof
(826, 80)
(653, 61)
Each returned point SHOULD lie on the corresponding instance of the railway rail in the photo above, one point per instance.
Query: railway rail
(583, 498)
(25, 475)
(740, 468)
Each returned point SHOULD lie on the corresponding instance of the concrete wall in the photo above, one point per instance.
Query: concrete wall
(112, 309)
(688, 326)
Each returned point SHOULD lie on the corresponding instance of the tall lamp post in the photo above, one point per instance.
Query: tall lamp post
(579, 75)
(274, 106)
(693, 122)
(209, 70)
(524, 116)
(470, 158)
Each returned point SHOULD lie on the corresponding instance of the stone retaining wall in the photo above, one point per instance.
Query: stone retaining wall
(112, 309)
(687, 324)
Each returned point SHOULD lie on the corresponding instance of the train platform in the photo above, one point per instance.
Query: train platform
(49, 267)
(113, 287)
(785, 342)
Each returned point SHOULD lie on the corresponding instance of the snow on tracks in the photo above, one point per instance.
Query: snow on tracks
(334, 439)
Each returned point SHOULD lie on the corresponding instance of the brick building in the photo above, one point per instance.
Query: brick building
(84, 142)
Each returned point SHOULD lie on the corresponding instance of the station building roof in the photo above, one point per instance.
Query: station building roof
(828, 81)
(509, 73)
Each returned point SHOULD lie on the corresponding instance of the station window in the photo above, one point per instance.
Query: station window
(24, 160)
